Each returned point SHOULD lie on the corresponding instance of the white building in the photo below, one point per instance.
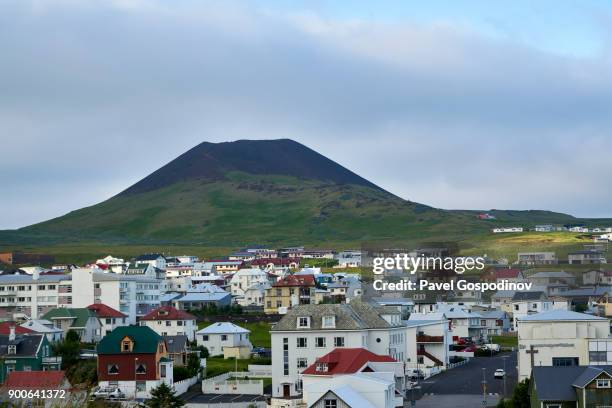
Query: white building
(355, 378)
(218, 337)
(109, 317)
(528, 303)
(45, 327)
(169, 321)
(560, 338)
(246, 278)
(29, 296)
(308, 332)
(156, 260)
(116, 265)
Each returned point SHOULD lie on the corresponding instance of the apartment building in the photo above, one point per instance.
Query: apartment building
(308, 332)
(29, 295)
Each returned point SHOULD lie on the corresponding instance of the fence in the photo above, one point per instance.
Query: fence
(460, 363)
(250, 404)
(250, 387)
(181, 387)
(258, 370)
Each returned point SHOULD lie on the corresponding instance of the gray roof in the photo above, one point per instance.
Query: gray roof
(203, 297)
(28, 278)
(557, 383)
(27, 345)
(355, 315)
(595, 291)
(534, 295)
(175, 344)
(590, 373)
(495, 314)
(560, 315)
(552, 274)
(502, 294)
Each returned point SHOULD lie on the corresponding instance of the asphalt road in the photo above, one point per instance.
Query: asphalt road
(467, 379)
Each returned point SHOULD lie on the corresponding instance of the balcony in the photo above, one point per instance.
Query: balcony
(52, 360)
(424, 338)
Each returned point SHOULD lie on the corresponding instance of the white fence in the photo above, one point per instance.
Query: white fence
(181, 387)
(460, 363)
(257, 370)
(250, 387)
(256, 404)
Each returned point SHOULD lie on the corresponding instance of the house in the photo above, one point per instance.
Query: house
(178, 349)
(590, 297)
(508, 274)
(145, 269)
(348, 259)
(134, 359)
(275, 263)
(109, 317)
(562, 338)
(116, 265)
(537, 258)
(463, 323)
(81, 320)
(587, 256)
(308, 332)
(502, 300)
(544, 228)
(553, 277)
(497, 322)
(244, 256)
(428, 337)
(311, 253)
(222, 267)
(354, 377)
(289, 291)
(156, 260)
(246, 278)
(38, 381)
(507, 230)
(574, 386)
(196, 300)
(527, 303)
(169, 321)
(26, 352)
(225, 338)
(45, 327)
(597, 277)
(345, 289)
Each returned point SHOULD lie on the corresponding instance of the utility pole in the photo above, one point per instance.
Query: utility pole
(484, 387)
(504, 359)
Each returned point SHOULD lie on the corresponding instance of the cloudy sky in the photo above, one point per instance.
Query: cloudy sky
(476, 106)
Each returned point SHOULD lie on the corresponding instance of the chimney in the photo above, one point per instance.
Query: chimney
(12, 333)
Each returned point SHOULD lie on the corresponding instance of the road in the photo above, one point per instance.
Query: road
(467, 379)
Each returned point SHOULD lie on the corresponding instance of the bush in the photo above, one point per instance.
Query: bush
(181, 373)
(85, 372)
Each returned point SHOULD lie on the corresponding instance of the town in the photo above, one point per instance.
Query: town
(302, 327)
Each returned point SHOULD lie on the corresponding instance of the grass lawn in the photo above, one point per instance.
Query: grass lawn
(260, 332)
(219, 365)
(505, 341)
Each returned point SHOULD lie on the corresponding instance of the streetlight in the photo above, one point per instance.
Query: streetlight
(504, 360)
(484, 387)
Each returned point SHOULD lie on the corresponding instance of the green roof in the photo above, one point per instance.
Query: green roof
(80, 315)
(144, 338)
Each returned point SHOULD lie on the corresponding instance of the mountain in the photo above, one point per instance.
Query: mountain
(264, 191)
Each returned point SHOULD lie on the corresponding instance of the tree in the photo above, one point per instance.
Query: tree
(73, 337)
(203, 351)
(163, 397)
(193, 364)
(520, 396)
(69, 349)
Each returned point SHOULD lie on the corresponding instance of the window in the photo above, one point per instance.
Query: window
(108, 321)
(279, 303)
(329, 322)
(302, 362)
(303, 322)
(321, 368)
(162, 370)
(338, 341)
(302, 342)
(603, 383)
(224, 337)
(168, 323)
(141, 368)
(598, 356)
(112, 369)
(126, 345)
(205, 337)
(12, 349)
(141, 386)
(320, 342)
(564, 361)
(285, 356)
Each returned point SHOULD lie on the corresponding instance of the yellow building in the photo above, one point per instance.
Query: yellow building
(290, 291)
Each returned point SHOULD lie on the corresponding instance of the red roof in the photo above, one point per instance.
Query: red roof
(295, 280)
(168, 313)
(103, 310)
(346, 361)
(35, 379)
(509, 273)
(5, 328)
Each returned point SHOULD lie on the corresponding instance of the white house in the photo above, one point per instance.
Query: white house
(45, 327)
(562, 338)
(354, 377)
(169, 321)
(109, 317)
(225, 338)
(156, 260)
(310, 331)
(528, 303)
(246, 278)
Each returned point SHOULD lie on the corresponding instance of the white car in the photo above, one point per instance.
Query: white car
(108, 393)
(499, 373)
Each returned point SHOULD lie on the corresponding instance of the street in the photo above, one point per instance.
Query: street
(467, 379)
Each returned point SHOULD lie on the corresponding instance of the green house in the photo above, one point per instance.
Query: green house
(571, 387)
(26, 352)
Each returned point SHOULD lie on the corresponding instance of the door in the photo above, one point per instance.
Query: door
(286, 390)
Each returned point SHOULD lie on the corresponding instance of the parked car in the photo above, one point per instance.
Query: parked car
(417, 374)
(499, 373)
(108, 393)
(491, 347)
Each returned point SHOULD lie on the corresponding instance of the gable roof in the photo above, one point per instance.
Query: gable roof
(507, 273)
(346, 361)
(557, 383)
(349, 396)
(79, 315)
(102, 310)
(352, 316)
(590, 373)
(559, 315)
(27, 344)
(41, 326)
(295, 280)
(35, 379)
(144, 338)
(532, 295)
(176, 344)
(167, 313)
(222, 328)
(5, 328)
(149, 257)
